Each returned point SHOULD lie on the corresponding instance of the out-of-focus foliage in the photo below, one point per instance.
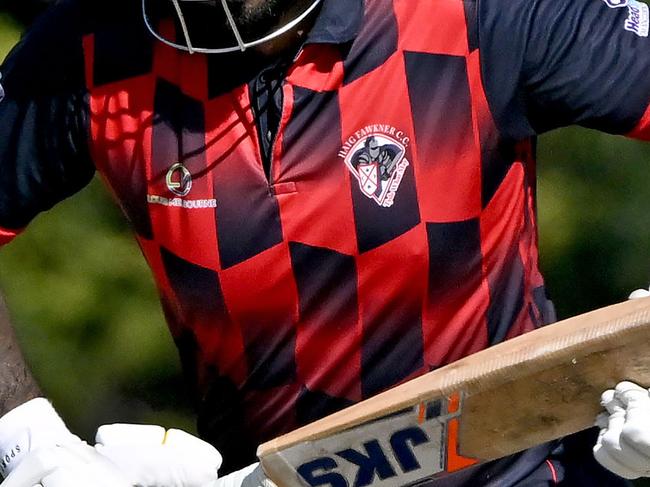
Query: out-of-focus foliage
(85, 308)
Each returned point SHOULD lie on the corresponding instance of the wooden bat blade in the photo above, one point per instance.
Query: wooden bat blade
(526, 391)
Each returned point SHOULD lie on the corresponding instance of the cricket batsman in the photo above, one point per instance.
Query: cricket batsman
(334, 196)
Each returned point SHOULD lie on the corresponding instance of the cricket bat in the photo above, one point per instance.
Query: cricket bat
(526, 391)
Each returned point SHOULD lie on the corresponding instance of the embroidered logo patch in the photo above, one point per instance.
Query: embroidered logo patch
(615, 3)
(376, 157)
(638, 18)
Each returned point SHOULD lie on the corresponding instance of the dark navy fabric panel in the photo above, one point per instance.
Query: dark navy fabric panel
(327, 286)
(393, 348)
(471, 14)
(123, 46)
(376, 41)
(506, 298)
(337, 22)
(270, 353)
(311, 405)
(440, 103)
(377, 225)
(178, 131)
(44, 156)
(498, 155)
(550, 63)
(314, 128)
(197, 289)
(246, 225)
(544, 305)
(220, 418)
(454, 257)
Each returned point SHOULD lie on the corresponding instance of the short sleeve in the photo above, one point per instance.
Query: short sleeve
(44, 155)
(552, 63)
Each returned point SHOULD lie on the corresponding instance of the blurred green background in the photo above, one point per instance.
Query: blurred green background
(84, 305)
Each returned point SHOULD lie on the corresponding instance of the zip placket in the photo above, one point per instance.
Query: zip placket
(268, 107)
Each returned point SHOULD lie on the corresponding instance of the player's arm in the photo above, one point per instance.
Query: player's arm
(43, 159)
(17, 385)
(552, 63)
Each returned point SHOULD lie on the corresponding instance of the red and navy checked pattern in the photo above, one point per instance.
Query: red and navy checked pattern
(293, 299)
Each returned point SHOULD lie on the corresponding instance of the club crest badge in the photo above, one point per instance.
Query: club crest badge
(376, 157)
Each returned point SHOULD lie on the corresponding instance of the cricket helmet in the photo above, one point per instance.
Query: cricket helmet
(198, 24)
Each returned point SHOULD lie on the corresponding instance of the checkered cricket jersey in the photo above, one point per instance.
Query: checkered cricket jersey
(326, 227)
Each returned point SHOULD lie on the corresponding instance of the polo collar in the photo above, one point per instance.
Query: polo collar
(338, 22)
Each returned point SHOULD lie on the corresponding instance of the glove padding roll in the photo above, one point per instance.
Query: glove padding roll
(623, 445)
(150, 455)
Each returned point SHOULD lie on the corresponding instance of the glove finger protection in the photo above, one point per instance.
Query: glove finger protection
(28, 427)
(635, 436)
(639, 293)
(623, 443)
(74, 465)
(151, 455)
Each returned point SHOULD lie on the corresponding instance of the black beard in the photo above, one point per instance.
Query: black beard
(255, 19)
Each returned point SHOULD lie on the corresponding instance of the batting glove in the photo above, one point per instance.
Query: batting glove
(623, 444)
(152, 456)
(38, 450)
(639, 293)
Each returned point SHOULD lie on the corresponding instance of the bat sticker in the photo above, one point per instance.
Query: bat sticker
(403, 448)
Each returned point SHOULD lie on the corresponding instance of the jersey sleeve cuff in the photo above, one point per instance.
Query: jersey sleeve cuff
(7, 235)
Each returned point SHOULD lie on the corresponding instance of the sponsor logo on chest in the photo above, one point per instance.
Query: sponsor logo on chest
(179, 182)
(376, 157)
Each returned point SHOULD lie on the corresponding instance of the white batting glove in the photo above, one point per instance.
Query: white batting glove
(30, 426)
(152, 456)
(251, 476)
(72, 465)
(639, 293)
(38, 450)
(623, 444)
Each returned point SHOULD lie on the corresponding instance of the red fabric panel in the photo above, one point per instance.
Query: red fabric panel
(187, 71)
(88, 43)
(265, 313)
(318, 211)
(502, 225)
(175, 226)
(7, 236)
(318, 67)
(448, 37)
(642, 129)
(446, 148)
(386, 303)
(484, 128)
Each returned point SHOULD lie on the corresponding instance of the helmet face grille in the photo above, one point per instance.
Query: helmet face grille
(206, 26)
